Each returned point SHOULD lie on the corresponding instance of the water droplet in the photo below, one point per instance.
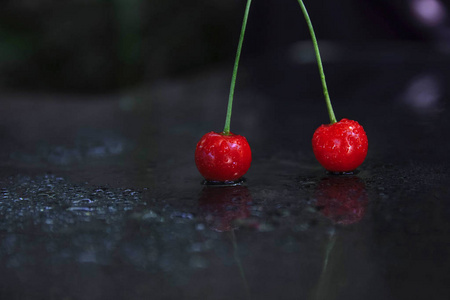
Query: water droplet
(80, 208)
(83, 201)
(200, 227)
(182, 215)
(150, 215)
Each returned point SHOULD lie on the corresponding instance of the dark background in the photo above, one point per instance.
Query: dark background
(103, 102)
(102, 46)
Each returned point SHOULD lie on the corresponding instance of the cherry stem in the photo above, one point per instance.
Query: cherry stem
(319, 63)
(226, 129)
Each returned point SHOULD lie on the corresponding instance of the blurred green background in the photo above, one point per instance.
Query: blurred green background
(96, 46)
(99, 45)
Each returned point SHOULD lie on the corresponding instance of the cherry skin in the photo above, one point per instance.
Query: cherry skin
(340, 147)
(223, 157)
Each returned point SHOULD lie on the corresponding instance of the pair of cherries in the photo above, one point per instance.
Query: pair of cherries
(339, 147)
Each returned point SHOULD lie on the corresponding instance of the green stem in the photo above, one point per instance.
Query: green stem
(226, 129)
(319, 63)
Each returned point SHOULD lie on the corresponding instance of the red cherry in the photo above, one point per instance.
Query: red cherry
(340, 147)
(223, 157)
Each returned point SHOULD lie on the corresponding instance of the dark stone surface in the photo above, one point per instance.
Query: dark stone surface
(101, 199)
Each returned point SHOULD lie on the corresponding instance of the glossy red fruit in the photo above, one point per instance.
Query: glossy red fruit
(340, 147)
(221, 157)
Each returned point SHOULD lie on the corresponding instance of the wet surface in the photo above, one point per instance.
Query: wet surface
(100, 197)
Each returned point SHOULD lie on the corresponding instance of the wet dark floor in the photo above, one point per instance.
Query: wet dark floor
(100, 197)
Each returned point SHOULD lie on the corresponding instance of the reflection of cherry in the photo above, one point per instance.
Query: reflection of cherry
(222, 205)
(342, 199)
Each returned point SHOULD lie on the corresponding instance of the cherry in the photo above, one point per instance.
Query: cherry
(338, 146)
(225, 157)
(341, 146)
